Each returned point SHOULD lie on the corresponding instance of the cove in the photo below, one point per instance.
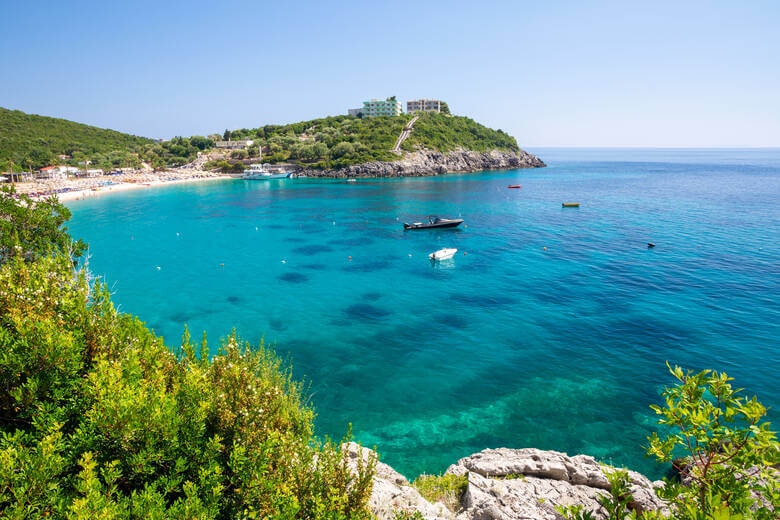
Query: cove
(509, 344)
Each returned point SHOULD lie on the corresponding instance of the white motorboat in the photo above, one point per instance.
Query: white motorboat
(443, 254)
(259, 172)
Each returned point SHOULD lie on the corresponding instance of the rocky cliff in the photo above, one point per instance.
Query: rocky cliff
(429, 162)
(505, 484)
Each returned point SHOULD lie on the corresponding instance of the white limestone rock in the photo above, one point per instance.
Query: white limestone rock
(392, 492)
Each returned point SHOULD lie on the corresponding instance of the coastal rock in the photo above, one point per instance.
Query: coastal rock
(518, 479)
(392, 493)
(528, 498)
(429, 162)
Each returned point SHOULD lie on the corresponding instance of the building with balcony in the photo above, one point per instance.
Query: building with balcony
(377, 107)
(423, 105)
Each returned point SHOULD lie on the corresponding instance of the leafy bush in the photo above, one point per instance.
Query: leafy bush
(447, 489)
(728, 447)
(100, 419)
(31, 228)
(727, 473)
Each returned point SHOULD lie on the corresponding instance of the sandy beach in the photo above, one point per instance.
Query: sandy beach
(81, 188)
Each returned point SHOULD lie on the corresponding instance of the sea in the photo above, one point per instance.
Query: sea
(550, 328)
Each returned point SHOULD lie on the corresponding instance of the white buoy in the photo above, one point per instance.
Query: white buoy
(284, 261)
(158, 267)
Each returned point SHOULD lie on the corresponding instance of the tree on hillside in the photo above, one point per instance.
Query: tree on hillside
(200, 142)
(30, 229)
(226, 135)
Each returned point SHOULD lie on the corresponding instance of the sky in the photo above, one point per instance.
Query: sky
(552, 73)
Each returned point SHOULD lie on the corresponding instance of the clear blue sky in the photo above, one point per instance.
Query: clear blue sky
(610, 73)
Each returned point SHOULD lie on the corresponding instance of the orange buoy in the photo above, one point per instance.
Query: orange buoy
(223, 265)
(349, 258)
(545, 248)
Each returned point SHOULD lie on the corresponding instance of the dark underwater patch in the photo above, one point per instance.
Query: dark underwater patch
(367, 267)
(314, 267)
(312, 249)
(180, 317)
(277, 324)
(360, 241)
(366, 311)
(451, 320)
(482, 300)
(293, 277)
(235, 300)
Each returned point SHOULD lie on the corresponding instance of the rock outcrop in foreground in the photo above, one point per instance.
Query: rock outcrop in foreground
(506, 484)
(429, 162)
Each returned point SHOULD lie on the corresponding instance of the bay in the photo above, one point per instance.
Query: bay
(550, 328)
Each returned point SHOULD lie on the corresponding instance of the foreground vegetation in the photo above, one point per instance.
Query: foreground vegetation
(721, 449)
(100, 419)
(447, 489)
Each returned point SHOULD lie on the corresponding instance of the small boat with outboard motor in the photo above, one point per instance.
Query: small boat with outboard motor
(443, 254)
(515, 186)
(571, 204)
(435, 222)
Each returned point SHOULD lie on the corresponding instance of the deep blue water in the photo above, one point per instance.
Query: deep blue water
(508, 344)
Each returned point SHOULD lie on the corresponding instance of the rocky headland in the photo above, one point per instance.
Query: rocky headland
(427, 162)
(506, 484)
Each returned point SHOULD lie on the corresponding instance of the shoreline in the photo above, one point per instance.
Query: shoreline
(70, 196)
(67, 190)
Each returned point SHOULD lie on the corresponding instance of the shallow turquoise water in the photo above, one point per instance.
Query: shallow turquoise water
(507, 345)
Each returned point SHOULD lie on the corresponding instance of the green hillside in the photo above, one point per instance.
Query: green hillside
(338, 141)
(31, 142)
(41, 139)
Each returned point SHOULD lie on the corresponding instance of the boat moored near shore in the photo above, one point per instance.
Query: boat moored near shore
(258, 172)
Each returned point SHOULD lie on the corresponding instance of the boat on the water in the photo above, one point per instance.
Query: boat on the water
(517, 186)
(257, 172)
(571, 204)
(443, 254)
(434, 222)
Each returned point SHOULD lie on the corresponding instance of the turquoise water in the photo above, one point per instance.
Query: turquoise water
(508, 344)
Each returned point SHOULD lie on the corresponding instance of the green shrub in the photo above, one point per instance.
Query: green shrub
(31, 228)
(447, 489)
(100, 419)
(728, 449)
